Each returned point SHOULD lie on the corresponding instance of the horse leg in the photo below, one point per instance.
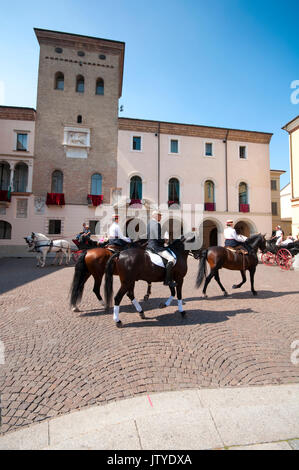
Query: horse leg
(207, 282)
(149, 291)
(252, 273)
(43, 257)
(135, 302)
(179, 296)
(96, 289)
(170, 299)
(117, 300)
(219, 283)
(237, 286)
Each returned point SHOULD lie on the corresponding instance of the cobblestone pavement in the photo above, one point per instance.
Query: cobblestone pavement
(57, 361)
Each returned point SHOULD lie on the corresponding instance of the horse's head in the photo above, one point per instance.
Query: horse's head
(29, 240)
(263, 243)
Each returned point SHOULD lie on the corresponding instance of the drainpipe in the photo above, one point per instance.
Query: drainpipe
(158, 165)
(226, 171)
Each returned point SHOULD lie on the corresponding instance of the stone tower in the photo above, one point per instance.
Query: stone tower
(79, 85)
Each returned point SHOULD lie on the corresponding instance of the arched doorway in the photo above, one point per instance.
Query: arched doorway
(209, 233)
(135, 228)
(174, 228)
(244, 228)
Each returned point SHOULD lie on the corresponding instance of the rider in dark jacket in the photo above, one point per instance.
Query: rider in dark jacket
(156, 243)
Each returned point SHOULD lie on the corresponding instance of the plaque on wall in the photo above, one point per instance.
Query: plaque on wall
(39, 204)
(76, 142)
(116, 195)
(22, 208)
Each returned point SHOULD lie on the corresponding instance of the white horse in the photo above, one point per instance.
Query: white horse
(42, 245)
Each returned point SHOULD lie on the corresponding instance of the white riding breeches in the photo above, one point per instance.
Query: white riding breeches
(165, 254)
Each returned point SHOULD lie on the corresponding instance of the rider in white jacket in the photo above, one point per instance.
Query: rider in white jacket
(231, 236)
(116, 236)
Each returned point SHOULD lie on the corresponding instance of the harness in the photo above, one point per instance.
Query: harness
(39, 245)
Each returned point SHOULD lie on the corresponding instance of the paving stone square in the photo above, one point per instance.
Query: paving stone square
(58, 361)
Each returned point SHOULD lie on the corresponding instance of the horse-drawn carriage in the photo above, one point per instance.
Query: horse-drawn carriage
(282, 255)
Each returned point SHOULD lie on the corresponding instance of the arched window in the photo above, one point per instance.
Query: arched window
(5, 230)
(59, 81)
(57, 182)
(136, 188)
(4, 176)
(243, 193)
(79, 119)
(173, 191)
(209, 196)
(96, 184)
(100, 86)
(80, 84)
(20, 178)
(243, 197)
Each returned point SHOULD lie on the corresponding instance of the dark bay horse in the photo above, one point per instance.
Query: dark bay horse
(135, 265)
(221, 257)
(92, 262)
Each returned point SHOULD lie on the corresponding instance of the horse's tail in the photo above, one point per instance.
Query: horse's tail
(78, 280)
(108, 289)
(202, 268)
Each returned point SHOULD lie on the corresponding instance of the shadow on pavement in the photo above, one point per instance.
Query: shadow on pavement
(192, 317)
(15, 272)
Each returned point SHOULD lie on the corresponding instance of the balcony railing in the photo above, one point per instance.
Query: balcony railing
(244, 208)
(210, 206)
(95, 200)
(55, 199)
(5, 195)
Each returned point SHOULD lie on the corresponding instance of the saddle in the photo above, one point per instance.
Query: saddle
(118, 248)
(239, 250)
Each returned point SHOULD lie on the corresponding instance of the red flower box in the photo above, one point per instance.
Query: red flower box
(210, 206)
(55, 199)
(134, 202)
(95, 200)
(173, 203)
(5, 195)
(244, 207)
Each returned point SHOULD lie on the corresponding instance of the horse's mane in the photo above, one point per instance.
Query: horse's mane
(177, 245)
(253, 238)
(41, 235)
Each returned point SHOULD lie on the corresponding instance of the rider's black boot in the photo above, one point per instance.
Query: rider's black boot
(168, 278)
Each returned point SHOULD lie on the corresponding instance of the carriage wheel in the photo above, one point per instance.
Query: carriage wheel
(284, 259)
(268, 258)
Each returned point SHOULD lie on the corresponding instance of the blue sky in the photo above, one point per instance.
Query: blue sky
(227, 63)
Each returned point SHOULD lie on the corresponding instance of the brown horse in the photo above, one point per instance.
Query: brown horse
(219, 257)
(92, 263)
(135, 265)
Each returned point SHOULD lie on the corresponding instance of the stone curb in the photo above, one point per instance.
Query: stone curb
(241, 418)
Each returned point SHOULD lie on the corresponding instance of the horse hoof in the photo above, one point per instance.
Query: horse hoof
(234, 286)
(119, 324)
(145, 298)
(76, 309)
(141, 314)
(225, 294)
(205, 296)
(254, 293)
(183, 313)
(162, 305)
